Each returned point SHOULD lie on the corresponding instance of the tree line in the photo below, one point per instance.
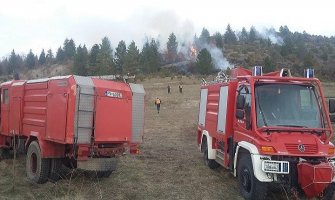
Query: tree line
(272, 49)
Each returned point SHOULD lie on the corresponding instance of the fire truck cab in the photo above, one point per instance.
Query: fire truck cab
(269, 128)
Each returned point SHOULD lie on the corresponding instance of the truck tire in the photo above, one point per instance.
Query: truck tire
(55, 169)
(4, 154)
(250, 187)
(209, 162)
(37, 168)
(329, 193)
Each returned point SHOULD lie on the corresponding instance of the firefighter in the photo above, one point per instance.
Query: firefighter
(169, 89)
(158, 104)
(180, 89)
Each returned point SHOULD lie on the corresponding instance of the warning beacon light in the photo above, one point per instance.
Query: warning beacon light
(257, 71)
(285, 72)
(309, 73)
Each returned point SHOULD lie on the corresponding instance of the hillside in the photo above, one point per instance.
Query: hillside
(205, 54)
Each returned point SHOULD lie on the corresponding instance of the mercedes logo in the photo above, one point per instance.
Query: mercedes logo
(301, 147)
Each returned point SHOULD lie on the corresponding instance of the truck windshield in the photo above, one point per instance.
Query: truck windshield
(287, 105)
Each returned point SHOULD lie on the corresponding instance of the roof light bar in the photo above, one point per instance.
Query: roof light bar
(257, 71)
(309, 73)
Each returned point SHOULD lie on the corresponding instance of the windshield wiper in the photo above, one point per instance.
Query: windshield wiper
(292, 125)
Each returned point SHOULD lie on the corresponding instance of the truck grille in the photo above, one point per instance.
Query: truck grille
(308, 148)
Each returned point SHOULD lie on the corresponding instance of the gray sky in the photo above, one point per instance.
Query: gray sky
(37, 24)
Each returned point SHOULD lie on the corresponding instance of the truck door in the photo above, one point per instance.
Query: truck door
(5, 111)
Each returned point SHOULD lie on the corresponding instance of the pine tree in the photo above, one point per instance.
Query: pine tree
(80, 64)
(150, 57)
(69, 49)
(172, 46)
(30, 60)
(204, 37)
(268, 64)
(13, 63)
(229, 36)
(244, 35)
(204, 64)
(50, 57)
(252, 34)
(60, 56)
(105, 64)
(120, 53)
(93, 59)
(42, 58)
(218, 40)
(132, 59)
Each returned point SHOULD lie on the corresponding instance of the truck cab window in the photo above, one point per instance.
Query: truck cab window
(5, 98)
(245, 91)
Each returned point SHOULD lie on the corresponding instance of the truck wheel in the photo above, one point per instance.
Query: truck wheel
(4, 154)
(250, 187)
(329, 193)
(209, 162)
(37, 168)
(55, 169)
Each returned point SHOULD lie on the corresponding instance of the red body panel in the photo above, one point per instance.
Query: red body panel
(113, 114)
(45, 110)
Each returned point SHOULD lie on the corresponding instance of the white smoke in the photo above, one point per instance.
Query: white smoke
(220, 62)
(271, 33)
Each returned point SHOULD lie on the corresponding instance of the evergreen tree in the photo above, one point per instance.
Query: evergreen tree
(132, 59)
(150, 57)
(218, 40)
(80, 64)
(284, 31)
(268, 64)
(93, 59)
(204, 37)
(244, 35)
(105, 64)
(13, 63)
(204, 63)
(252, 34)
(50, 57)
(30, 60)
(60, 56)
(172, 46)
(69, 49)
(229, 36)
(309, 60)
(42, 58)
(120, 53)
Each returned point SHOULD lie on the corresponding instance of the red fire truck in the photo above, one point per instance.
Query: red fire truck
(269, 128)
(82, 122)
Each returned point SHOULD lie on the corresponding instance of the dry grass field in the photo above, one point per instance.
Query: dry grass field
(168, 167)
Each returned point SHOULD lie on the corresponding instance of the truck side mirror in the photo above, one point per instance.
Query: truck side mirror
(332, 118)
(240, 102)
(332, 105)
(239, 114)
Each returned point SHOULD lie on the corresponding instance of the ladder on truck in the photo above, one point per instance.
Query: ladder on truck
(85, 101)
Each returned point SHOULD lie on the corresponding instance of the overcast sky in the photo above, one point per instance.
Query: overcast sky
(37, 24)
